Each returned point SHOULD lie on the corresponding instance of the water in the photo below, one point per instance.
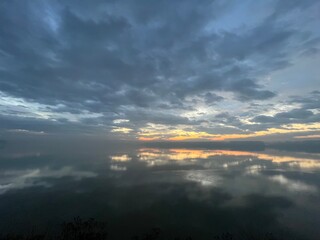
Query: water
(198, 192)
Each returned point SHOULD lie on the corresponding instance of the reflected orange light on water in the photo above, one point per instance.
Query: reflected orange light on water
(120, 158)
(151, 154)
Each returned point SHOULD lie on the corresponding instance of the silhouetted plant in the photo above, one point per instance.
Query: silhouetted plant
(90, 229)
(153, 235)
(188, 238)
(83, 230)
(32, 236)
(245, 236)
(224, 236)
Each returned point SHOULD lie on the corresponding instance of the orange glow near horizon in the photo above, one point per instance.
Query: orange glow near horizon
(163, 134)
(148, 138)
(154, 154)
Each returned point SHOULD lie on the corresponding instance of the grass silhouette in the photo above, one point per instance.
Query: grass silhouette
(91, 229)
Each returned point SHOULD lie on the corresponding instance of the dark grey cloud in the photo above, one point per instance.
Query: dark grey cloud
(306, 113)
(247, 89)
(36, 125)
(292, 116)
(211, 98)
(309, 101)
(136, 60)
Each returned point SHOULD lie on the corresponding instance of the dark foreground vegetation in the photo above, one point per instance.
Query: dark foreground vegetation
(90, 229)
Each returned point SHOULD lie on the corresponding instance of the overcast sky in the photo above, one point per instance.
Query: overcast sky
(161, 70)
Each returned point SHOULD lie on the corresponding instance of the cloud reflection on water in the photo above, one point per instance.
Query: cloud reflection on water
(20, 179)
(229, 188)
(164, 156)
(291, 185)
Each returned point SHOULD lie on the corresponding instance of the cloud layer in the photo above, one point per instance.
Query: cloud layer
(158, 69)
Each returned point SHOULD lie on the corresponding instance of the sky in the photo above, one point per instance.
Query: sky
(160, 69)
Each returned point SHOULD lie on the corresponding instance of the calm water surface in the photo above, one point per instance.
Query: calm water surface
(200, 192)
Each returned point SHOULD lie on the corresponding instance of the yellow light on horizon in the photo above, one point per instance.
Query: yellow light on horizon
(183, 135)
